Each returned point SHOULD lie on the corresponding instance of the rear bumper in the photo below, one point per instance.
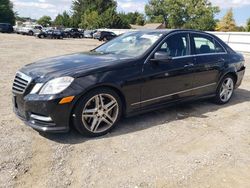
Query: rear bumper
(240, 75)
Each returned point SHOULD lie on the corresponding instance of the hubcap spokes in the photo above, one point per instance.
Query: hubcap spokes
(226, 90)
(100, 113)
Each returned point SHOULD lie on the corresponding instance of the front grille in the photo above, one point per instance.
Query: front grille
(21, 83)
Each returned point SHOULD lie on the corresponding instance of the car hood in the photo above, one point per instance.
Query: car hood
(75, 65)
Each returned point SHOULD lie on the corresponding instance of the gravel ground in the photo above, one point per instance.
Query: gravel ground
(193, 145)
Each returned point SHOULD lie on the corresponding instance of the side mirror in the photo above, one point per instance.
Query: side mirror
(161, 56)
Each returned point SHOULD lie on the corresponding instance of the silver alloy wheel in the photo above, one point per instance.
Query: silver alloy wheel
(100, 113)
(226, 89)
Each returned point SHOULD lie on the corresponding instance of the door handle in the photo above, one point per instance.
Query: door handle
(188, 65)
(221, 60)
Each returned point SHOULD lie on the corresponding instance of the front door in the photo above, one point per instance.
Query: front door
(169, 80)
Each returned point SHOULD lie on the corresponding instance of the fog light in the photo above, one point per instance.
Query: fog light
(41, 118)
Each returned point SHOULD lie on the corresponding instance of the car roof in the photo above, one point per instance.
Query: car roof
(165, 31)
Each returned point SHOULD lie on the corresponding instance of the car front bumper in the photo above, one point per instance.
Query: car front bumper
(42, 113)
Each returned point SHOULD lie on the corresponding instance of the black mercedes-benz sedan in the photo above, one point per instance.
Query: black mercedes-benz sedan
(133, 73)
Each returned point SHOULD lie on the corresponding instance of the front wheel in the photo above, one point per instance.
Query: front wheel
(225, 90)
(97, 112)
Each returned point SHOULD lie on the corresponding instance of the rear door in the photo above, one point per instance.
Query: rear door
(209, 58)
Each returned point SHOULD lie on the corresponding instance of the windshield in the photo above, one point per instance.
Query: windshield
(130, 44)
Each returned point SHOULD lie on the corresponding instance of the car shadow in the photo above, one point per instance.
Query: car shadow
(178, 112)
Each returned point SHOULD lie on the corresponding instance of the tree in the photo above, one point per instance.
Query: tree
(110, 19)
(227, 23)
(63, 20)
(90, 20)
(248, 25)
(44, 21)
(79, 7)
(94, 14)
(140, 20)
(191, 14)
(58, 20)
(7, 14)
(134, 18)
(156, 11)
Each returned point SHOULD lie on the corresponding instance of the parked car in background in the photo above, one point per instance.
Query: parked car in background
(30, 29)
(42, 33)
(73, 33)
(104, 35)
(134, 73)
(16, 29)
(50, 33)
(88, 33)
(6, 28)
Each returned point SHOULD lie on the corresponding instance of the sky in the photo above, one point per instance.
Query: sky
(38, 8)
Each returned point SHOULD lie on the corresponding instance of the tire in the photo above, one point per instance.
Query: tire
(225, 90)
(91, 122)
(31, 33)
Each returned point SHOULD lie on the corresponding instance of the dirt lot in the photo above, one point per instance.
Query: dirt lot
(193, 145)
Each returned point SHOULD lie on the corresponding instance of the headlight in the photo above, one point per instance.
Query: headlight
(56, 85)
(36, 88)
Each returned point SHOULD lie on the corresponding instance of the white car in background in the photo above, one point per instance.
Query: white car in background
(30, 29)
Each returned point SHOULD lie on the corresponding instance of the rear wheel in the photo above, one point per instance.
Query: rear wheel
(31, 33)
(225, 90)
(98, 112)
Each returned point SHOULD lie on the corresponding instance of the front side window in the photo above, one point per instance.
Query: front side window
(130, 44)
(176, 45)
(206, 45)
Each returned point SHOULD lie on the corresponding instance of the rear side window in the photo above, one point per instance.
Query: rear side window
(206, 45)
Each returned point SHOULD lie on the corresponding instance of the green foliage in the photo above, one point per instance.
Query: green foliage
(140, 20)
(62, 20)
(156, 11)
(90, 20)
(95, 14)
(7, 14)
(44, 21)
(227, 23)
(134, 18)
(190, 14)
(80, 7)
(108, 19)
(248, 25)
(92, 14)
